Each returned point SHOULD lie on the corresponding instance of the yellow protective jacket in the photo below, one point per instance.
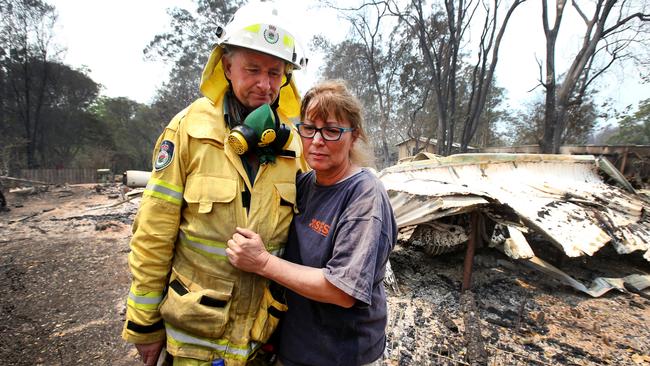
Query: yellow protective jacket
(184, 288)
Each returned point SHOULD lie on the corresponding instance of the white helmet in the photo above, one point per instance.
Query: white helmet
(257, 26)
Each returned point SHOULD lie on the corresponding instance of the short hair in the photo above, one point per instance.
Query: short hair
(229, 51)
(333, 95)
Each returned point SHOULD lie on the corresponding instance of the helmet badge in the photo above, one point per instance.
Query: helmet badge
(271, 34)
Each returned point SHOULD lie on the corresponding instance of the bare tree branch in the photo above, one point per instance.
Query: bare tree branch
(581, 73)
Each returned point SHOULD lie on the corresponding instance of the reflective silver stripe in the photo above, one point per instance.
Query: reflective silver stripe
(145, 299)
(214, 249)
(164, 190)
(188, 339)
(241, 352)
(201, 246)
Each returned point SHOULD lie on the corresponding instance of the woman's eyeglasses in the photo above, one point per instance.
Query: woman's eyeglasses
(327, 133)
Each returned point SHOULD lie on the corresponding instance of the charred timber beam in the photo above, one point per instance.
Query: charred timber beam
(12, 179)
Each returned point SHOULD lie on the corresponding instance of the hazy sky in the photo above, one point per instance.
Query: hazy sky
(108, 37)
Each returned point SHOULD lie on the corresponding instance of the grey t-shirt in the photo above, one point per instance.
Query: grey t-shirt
(348, 229)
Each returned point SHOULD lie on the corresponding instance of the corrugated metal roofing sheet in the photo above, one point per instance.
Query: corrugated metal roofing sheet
(559, 196)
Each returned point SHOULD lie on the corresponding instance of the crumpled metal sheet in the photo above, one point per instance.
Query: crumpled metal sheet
(598, 286)
(561, 197)
(517, 247)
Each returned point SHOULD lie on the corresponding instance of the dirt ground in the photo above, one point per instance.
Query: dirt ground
(65, 279)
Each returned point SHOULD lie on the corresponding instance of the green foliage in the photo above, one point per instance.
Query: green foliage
(50, 113)
(133, 127)
(582, 119)
(342, 61)
(634, 129)
(45, 107)
(25, 66)
(187, 45)
(67, 123)
(179, 91)
(493, 115)
(526, 128)
(132, 131)
(192, 35)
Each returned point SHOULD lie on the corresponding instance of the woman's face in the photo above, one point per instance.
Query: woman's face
(330, 159)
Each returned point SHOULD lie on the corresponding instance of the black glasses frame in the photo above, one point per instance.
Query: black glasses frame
(340, 130)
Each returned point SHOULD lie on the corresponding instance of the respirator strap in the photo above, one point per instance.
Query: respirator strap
(288, 80)
(233, 109)
(287, 153)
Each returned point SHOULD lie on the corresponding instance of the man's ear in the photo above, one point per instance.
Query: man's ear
(225, 60)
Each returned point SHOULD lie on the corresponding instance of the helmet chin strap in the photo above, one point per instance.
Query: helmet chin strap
(276, 103)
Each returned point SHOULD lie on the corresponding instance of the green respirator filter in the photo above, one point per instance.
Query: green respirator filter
(258, 129)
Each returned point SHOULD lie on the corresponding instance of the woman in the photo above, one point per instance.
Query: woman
(338, 245)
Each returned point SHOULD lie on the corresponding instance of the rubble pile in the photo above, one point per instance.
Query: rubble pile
(525, 318)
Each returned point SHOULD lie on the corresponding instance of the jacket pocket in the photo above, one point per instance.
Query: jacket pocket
(207, 194)
(268, 317)
(199, 309)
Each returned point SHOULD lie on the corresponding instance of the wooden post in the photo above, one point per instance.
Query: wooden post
(624, 162)
(471, 248)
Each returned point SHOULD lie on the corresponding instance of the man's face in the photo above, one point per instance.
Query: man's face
(255, 77)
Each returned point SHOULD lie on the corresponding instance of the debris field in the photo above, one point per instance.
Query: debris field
(63, 267)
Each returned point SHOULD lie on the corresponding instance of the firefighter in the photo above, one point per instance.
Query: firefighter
(227, 160)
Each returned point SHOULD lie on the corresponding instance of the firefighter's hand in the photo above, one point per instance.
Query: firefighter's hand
(149, 352)
(246, 251)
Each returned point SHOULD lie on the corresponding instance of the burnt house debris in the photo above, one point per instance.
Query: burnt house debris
(561, 201)
(633, 161)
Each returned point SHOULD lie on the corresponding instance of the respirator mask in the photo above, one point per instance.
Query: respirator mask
(262, 132)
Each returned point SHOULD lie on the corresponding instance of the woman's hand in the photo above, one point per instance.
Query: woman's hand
(246, 251)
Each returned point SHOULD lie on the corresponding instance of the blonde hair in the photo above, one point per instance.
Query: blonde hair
(333, 95)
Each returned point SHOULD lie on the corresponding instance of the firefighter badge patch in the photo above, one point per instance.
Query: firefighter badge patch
(271, 34)
(165, 155)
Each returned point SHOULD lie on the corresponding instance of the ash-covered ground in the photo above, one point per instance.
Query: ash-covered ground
(525, 318)
(65, 280)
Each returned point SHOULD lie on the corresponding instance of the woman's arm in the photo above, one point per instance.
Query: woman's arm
(246, 251)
